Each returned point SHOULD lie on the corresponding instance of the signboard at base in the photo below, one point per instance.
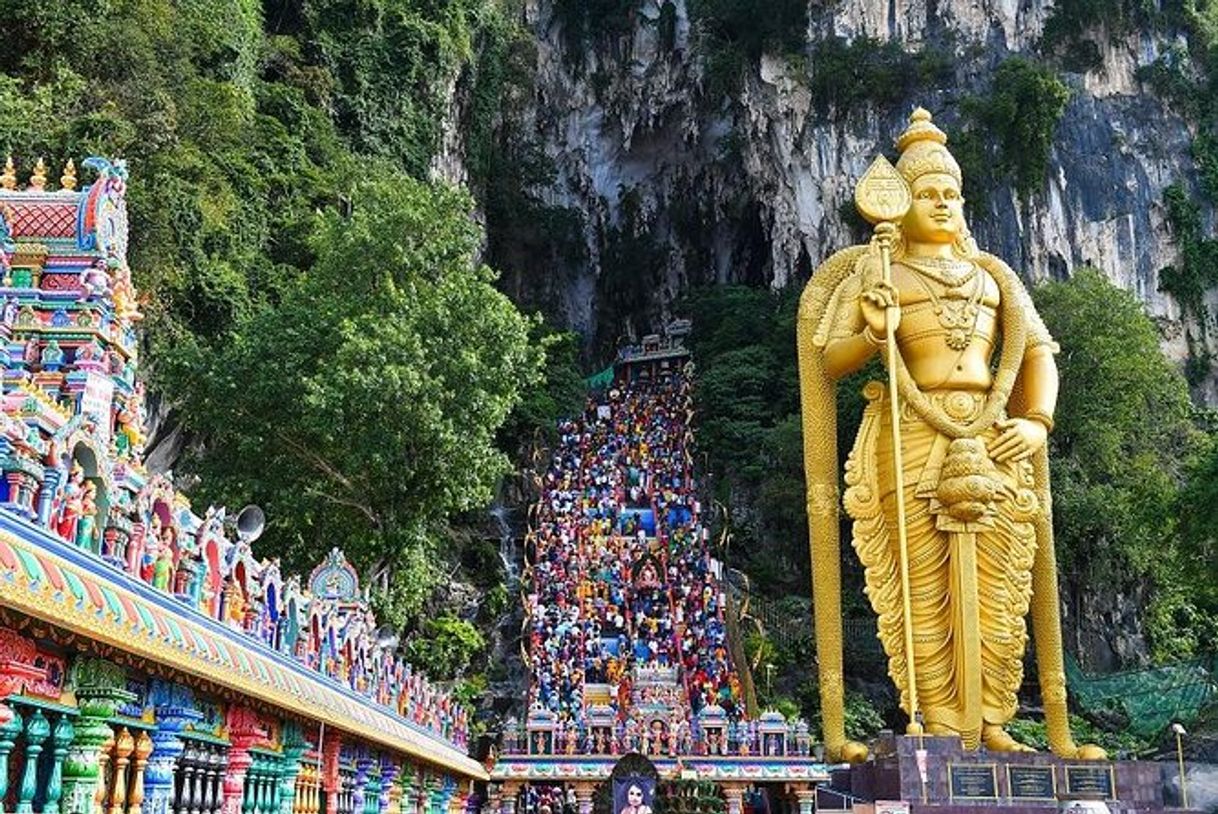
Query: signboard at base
(1032, 782)
(1091, 781)
(972, 781)
(891, 807)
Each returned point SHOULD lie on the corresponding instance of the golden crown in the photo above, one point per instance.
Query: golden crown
(923, 149)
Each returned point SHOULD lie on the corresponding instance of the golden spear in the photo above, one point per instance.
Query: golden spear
(883, 198)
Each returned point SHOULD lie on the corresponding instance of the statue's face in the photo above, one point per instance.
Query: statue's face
(937, 214)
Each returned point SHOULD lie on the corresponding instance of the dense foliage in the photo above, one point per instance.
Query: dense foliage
(388, 66)
(446, 646)
(362, 410)
(1006, 134)
(237, 129)
(848, 76)
(315, 317)
(747, 393)
(559, 393)
(1121, 454)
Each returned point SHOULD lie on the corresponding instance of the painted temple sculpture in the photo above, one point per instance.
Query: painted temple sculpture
(947, 483)
(148, 661)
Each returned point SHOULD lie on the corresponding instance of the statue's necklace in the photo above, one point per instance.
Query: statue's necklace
(955, 309)
(947, 271)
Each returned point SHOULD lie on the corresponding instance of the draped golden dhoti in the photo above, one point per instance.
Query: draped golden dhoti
(970, 582)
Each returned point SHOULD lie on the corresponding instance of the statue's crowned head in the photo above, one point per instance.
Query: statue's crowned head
(934, 179)
(924, 150)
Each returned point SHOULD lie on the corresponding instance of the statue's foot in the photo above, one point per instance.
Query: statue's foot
(853, 752)
(997, 739)
(1089, 751)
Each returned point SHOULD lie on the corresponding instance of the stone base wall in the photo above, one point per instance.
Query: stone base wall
(1137, 786)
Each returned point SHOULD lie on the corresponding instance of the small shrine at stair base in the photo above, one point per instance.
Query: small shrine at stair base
(631, 644)
(149, 663)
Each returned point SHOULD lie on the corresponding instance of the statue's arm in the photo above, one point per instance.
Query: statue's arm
(1038, 372)
(850, 344)
(844, 356)
(1040, 384)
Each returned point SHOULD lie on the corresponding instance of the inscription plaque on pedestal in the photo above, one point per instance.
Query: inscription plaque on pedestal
(1090, 781)
(972, 781)
(1032, 782)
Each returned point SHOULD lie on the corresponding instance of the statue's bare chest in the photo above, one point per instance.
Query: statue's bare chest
(958, 302)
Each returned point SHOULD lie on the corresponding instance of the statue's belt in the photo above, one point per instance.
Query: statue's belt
(960, 406)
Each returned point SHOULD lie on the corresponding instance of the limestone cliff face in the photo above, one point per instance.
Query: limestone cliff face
(753, 188)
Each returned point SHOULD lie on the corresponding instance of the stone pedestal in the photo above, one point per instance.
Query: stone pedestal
(953, 781)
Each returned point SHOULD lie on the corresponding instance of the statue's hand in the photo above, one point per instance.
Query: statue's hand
(1020, 437)
(875, 303)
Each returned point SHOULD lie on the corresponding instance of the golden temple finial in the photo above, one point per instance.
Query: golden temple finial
(39, 178)
(9, 179)
(68, 180)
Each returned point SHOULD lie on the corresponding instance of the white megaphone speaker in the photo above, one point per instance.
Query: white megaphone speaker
(250, 523)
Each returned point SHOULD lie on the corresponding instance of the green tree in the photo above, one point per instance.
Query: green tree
(361, 410)
(237, 127)
(391, 63)
(445, 648)
(559, 393)
(1196, 600)
(1124, 438)
(747, 396)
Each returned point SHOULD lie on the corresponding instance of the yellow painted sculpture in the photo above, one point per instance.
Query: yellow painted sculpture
(951, 522)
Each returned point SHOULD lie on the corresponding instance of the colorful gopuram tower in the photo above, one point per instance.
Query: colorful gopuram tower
(149, 662)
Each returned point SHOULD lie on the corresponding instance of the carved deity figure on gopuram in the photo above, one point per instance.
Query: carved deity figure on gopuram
(948, 490)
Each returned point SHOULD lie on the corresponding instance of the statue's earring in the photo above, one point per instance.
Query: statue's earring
(965, 243)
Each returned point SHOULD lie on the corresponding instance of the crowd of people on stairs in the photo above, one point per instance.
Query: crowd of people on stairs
(620, 578)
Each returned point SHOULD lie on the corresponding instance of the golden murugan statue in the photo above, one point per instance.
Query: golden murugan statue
(952, 521)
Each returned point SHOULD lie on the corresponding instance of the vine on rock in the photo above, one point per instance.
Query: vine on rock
(1007, 135)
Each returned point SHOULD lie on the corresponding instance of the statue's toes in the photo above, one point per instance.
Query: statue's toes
(854, 752)
(1089, 751)
(997, 739)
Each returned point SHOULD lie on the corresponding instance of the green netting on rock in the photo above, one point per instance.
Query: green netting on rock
(1148, 699)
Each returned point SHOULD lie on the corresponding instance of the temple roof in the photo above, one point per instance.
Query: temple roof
(46, 579)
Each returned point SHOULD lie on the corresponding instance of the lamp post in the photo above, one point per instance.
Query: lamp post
(1178, 728)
